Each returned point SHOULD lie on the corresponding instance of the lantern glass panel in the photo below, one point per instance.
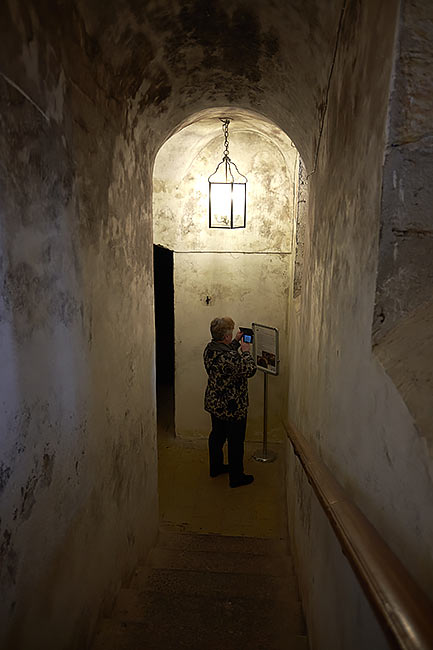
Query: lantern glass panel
(227, 191)
(239, 203)
(220, 205)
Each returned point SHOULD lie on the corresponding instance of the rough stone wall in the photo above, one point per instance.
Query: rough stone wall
(405, 273)
(404, 292)
(78, 462)
(406, 354)
(339, 395)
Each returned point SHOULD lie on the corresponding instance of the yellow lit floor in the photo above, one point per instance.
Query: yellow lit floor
(190, 500)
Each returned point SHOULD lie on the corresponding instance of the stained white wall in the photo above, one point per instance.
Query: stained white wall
(78, 463)
(251, 287)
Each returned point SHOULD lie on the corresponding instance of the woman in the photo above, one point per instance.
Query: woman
(229, 365)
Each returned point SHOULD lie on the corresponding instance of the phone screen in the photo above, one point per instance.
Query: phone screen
(247, 338)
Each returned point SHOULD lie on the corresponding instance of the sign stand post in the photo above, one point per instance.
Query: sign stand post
(265, 455)
(266, 356)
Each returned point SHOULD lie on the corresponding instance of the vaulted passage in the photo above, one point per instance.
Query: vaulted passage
(244, 272)
(109, 122)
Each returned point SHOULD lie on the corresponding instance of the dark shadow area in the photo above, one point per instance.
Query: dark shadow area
(164, 335)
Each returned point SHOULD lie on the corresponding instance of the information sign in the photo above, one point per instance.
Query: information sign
(266, 352)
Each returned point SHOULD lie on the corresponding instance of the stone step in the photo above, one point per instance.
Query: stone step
(136, 636)
(222, 543)
(167, 558)
(134, 605)
(202, 622)
(184, 581)
(209, 592)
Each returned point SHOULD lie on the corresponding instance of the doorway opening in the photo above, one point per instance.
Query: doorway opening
(164, 338)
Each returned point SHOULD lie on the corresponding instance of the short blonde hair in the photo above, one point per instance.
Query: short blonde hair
(220, 327)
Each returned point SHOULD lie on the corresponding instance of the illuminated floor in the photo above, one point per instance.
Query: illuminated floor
(191, 501)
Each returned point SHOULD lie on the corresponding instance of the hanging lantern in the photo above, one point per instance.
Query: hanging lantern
(227, 191)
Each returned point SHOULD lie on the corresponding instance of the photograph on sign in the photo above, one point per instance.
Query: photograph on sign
(266, 348)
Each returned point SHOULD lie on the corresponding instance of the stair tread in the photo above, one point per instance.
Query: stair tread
(134, 636)
(190, 581)
(218, 561)
(223, 543)
(209, 591)
(165, 621)
(137, 606)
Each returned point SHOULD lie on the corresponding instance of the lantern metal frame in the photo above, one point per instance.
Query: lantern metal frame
(230, 181)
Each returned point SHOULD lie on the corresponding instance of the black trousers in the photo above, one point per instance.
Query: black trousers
(234, 432)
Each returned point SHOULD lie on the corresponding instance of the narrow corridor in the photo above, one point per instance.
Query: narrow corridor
(110, 125)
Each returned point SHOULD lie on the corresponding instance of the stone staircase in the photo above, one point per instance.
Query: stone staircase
(209, 592)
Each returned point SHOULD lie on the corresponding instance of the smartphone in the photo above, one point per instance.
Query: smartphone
(247, 334)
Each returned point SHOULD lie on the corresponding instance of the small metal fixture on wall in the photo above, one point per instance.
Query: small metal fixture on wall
(227, 191)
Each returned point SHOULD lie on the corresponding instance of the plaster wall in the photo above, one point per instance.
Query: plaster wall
(359, 421)
(242, 273)
(78, 501)
(181, 204)
(329, 578)
(251, 288)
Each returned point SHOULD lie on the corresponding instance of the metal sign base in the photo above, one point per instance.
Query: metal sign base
(265, 455)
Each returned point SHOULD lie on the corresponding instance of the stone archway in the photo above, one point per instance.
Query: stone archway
(247, 273)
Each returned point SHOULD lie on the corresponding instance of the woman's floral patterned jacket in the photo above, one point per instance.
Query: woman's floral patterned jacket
(228, 373)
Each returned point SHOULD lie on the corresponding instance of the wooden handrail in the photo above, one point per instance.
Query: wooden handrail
(402, 608)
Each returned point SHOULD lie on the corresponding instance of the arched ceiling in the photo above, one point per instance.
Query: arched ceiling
(191, 137)
(171, 59)
(263, 153)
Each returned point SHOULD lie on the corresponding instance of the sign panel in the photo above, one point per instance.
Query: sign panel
(266, 352)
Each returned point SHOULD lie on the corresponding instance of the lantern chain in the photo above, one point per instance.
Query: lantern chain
(226, 139)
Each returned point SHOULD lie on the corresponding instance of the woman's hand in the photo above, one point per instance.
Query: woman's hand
(245, 347)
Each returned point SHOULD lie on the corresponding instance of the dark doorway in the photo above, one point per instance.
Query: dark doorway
(164, 333)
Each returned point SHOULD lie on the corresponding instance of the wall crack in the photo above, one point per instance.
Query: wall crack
(331, 71)
(25, 95)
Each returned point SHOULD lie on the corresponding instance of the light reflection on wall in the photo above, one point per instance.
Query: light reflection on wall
(181, 199)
